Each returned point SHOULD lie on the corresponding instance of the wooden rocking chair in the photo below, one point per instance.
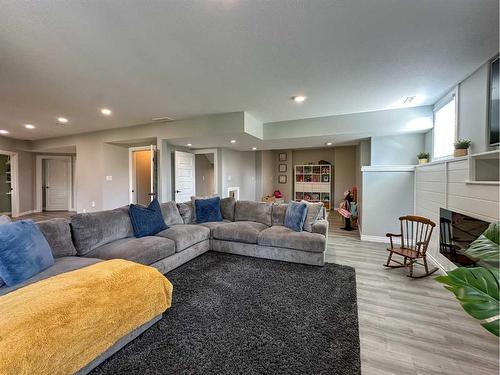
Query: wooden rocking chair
(415, 235)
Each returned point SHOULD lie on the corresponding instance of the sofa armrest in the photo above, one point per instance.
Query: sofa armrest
(321, 227)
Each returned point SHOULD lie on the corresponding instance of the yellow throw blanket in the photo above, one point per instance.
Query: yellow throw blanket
(60, 324)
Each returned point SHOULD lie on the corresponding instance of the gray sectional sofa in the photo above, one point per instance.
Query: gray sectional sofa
(249, 228)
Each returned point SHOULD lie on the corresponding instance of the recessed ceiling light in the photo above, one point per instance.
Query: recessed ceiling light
(409, 100)
(4, 132)
(29, 126)
(106, 111)
(254, 148)
(189, 144)
(329, 143)
(62, 120)
(299, 98)
(233, 141)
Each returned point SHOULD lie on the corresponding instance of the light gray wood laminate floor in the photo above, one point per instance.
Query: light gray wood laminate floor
(409, 326)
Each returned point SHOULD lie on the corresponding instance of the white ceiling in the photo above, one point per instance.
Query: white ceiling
(146, 59)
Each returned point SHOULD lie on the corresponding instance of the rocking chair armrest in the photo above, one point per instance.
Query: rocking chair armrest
(392, 235)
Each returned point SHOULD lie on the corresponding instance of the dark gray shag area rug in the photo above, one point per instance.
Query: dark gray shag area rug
(239, 315)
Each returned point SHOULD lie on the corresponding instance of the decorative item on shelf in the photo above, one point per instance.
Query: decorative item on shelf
(462, 147)
(282, 168)
(476, 288)
(277, 194)
(282, 179)
(322, 162)
(423, 157)
(282, 156)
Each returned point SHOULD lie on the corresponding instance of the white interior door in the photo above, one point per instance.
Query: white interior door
(57, 185)
(184, 176)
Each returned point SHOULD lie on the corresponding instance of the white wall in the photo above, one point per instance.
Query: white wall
(115, 193)
(387, 195)
(238, 170)
(397, 149)
(472, 109)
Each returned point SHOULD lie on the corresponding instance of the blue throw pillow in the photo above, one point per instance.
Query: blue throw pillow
(24, 252)
(295, 215)
(208, 210)
(147, 221)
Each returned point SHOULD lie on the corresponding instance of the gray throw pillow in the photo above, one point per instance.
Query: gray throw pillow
(227, 208)
(313, 212)
(186, 210)
(171, 214)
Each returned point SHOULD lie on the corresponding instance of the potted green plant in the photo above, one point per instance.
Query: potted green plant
(423, 157)
(462, 147)
(477, 288)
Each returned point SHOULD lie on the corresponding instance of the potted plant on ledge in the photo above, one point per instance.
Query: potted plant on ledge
(462, 147)
(423, 158)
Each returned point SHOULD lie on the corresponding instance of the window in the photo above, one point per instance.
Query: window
(444, 127)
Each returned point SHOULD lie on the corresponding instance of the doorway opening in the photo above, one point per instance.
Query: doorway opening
(54, 182)
(205, 177)
(195, 174)
(9, 201)
(143, 176)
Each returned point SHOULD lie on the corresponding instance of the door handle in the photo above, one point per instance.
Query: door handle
(177, 191)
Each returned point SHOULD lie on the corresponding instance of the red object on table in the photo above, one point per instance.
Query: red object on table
(277, 194)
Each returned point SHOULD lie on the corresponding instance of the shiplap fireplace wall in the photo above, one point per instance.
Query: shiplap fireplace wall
(448, 184)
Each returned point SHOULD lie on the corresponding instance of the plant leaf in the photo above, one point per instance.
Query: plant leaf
(486, 246)
(477, 291)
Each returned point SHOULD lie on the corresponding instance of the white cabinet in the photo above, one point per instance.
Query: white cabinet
(313, 183)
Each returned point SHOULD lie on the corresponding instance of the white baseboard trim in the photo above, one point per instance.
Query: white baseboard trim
(366, 237)
(441, 270)
(26, 213)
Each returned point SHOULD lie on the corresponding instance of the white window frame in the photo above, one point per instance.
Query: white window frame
(453, 94)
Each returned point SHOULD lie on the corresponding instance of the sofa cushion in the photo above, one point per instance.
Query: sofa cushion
(207, 210)
(186, 210)
(171, 213)
(314, 210)
(227, 208)
(57, 232)
(296, 215)
(24, 252)
(91, 230)
(147, 221)
(281, 236)
(259, 212)
(278, 213)
(61, 265)
(214, 224)
(239, 231)
(144, 250)
(185, 235)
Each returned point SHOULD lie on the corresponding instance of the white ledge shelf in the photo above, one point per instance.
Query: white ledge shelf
(388, 168)
(482, 182)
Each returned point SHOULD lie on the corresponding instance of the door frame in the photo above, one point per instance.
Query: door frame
(216, 166)
(14, 183)
(131, 169)
(39, 180)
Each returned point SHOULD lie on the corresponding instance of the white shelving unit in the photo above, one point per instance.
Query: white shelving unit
(313, 183)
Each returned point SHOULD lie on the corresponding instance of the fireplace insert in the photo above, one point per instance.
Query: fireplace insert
(456, 232)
